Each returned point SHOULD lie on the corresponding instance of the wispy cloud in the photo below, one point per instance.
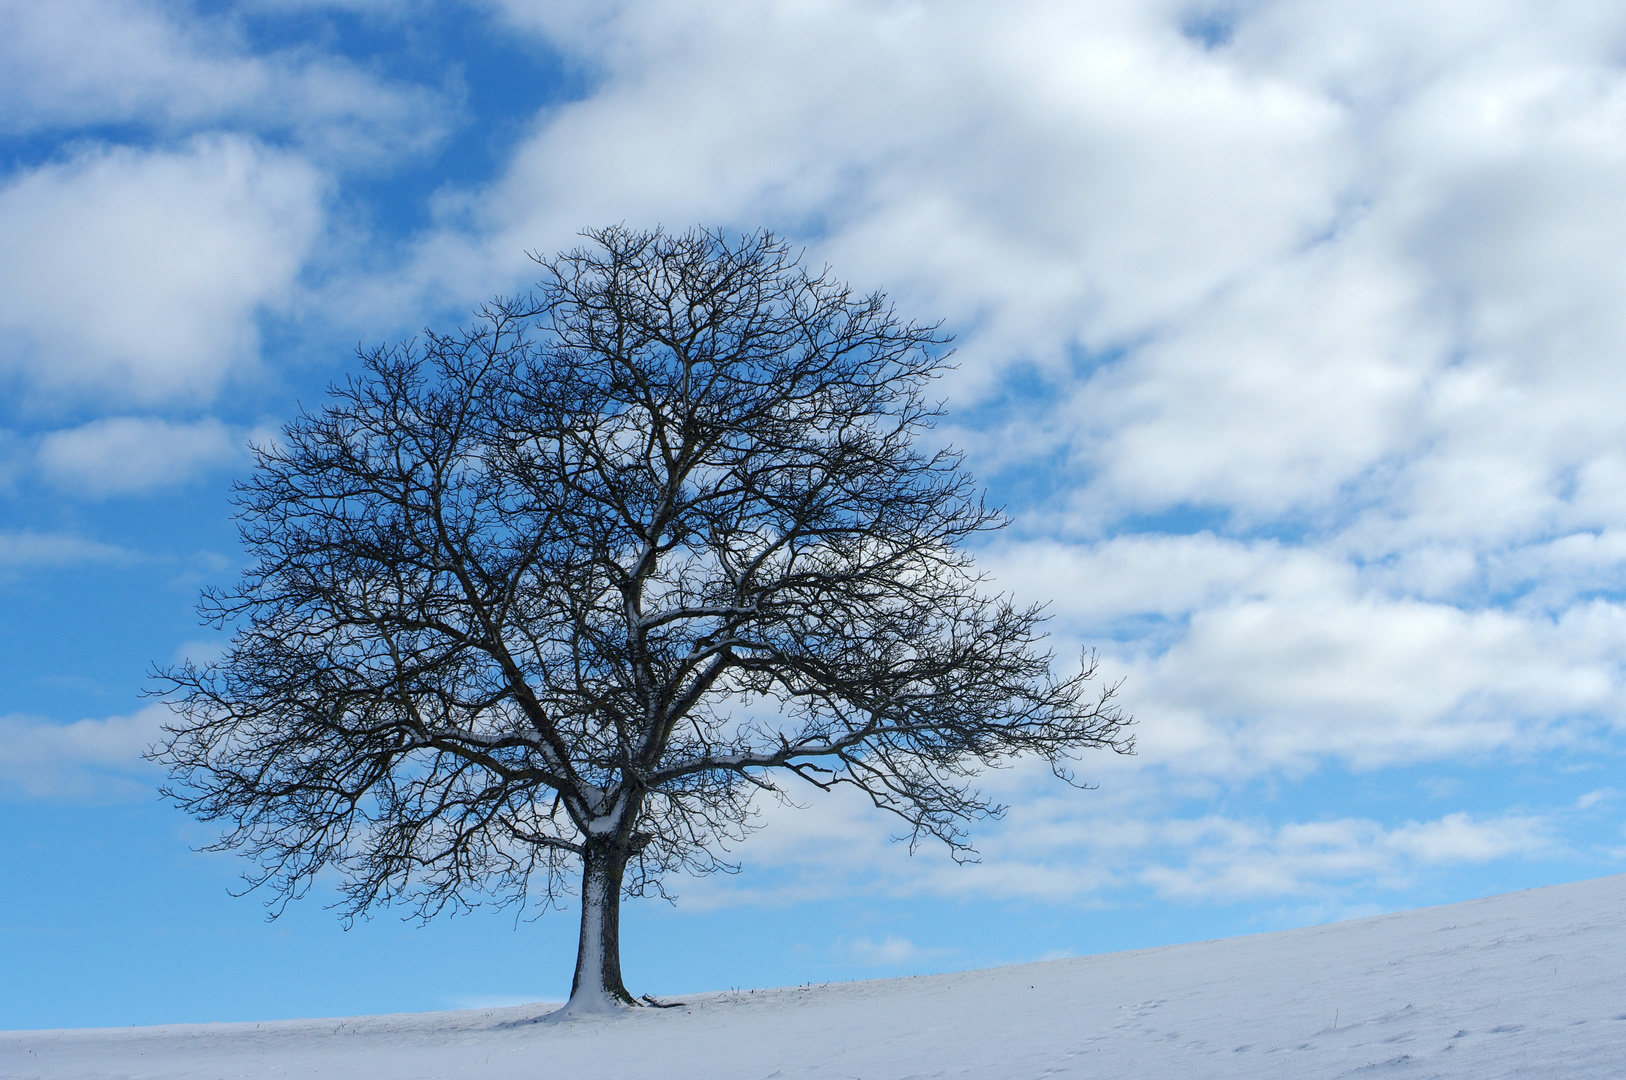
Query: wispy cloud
(135, 455)
(22, 550)
(888, 951)
(86, 760)
(1090, 848)
(1229, 860)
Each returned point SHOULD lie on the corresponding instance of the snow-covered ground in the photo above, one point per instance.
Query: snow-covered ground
(1529, 984)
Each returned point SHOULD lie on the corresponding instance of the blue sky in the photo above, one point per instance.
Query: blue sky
(1289, 333)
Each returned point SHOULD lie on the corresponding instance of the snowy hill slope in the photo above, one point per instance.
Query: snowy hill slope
(1528, 984)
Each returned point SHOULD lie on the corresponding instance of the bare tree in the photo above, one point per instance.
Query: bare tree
(577, 582)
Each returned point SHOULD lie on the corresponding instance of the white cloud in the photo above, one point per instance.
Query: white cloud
(997, 166)
(889, 951)
(1093, 587)
(1319, 282)
(86, 759)
(23, 550)
(1459, 838)
(73, 63)
(1273, 397)
(1365, 270)
(134, 455)
(1230, 860)
(1069, 847)
(138, 276)
(1386, 52)
(1262, 685)
(200, 652)
(1244, 657)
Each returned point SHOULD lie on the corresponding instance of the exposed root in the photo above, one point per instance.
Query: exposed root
(662, 1004)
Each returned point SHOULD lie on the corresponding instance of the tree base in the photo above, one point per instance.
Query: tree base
(592, 1003)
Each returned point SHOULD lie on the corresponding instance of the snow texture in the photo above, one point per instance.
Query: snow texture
(1528, 984)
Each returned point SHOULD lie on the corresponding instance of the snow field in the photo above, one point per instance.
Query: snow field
(1528, 984)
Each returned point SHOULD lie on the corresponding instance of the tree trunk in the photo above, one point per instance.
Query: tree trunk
(598, 985)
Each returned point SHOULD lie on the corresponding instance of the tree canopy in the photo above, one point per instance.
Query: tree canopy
(572, 585)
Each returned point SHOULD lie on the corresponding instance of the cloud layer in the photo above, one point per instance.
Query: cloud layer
(93, 760)
(1289, 332)
(1293, 328)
